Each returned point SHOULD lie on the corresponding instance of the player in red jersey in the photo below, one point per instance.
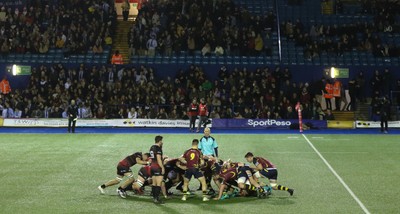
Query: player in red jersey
(124, 170)
(144, 179)
(157, 168)
(193, 159)
(267, 170)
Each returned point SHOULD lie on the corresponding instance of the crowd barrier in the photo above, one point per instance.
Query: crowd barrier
(215, 123)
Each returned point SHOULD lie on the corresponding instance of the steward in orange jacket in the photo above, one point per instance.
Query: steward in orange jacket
(117, 58)
(5, 87)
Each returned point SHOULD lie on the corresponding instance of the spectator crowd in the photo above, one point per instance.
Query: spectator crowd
(137, 92)
(206, 27)
(74, 26)
(364, 36)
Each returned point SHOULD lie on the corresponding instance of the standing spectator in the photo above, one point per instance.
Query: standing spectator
(360, 87)
(117, 58)
(352, 92)
(193, 112)
(318, 89)
(337, 87)
(72, 116)
(125, 10)
(203, 112)
(328, 94)
(384, 112)
(151, 46)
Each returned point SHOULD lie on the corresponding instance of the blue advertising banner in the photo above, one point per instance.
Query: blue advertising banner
(266, 123)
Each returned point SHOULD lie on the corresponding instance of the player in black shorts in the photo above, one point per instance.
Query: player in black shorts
(174, 171)
(124, 170)
(157, 168)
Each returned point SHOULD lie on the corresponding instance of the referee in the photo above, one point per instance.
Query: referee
(209, 147)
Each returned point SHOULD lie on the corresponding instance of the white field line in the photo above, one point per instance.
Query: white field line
(322, 152)
(337, 176)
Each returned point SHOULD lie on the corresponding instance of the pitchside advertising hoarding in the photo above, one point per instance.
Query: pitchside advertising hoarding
(42, 122)
(266, 123)
(375, 124)
(155, 123)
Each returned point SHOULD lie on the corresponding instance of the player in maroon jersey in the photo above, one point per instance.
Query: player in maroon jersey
(267, 170)
(157, 168)
(124, 170)
(226, 178)
(193, 159)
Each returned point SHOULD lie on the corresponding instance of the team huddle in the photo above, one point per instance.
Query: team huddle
(201, 162)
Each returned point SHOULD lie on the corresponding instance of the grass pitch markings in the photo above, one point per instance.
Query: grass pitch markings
(337, 176)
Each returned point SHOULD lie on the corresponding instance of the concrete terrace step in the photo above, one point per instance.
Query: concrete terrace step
(344, 115)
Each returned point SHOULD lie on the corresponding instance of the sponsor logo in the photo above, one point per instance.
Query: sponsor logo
(268, 122)
(26, 122)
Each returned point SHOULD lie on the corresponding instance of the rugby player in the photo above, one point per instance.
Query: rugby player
(267, 170)
(193, 159)
(144, 179)
(226, 178)
(124, 170)
(174, 171)
(157, 168)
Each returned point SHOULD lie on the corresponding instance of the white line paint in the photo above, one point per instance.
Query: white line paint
(294, 137)
(322, 152)
(337, 176)
(317, 137)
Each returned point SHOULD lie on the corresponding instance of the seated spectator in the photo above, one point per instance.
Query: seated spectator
(206, 50)
(97, 48)
(60, 42)
(133, 114)
(219, 51)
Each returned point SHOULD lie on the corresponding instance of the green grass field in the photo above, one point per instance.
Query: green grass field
(59, 173)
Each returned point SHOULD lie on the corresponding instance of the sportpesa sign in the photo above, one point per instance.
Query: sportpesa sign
(266, 123)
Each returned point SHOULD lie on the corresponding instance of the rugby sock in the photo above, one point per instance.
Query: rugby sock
(103, 186)
(157, 191)
(153, 191)
(280, 187)
(204, 193)
(128, 188)
(251, 187)
(168, 185)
